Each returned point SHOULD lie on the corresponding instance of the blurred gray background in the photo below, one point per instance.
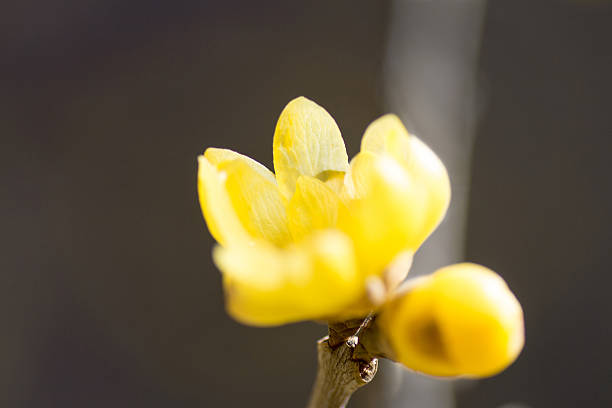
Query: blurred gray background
(109, 297)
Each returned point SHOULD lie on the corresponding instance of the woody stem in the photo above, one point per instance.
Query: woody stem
(338, 375)
(339, 372)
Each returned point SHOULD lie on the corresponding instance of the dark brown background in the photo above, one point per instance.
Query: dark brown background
(110, 298)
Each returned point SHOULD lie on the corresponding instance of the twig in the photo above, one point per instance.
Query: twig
(340, 372)
(339, 375)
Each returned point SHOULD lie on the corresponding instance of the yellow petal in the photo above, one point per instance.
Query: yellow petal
(221, 219)
(314, 206)
(240, 199)
(307, 141)
(462, 320)
(363, 174)
(387, 135)
(217, 157)
(267, 286)
(386, 217)
(257, 202)
(379, 288)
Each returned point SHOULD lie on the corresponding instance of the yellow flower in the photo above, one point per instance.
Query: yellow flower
(321, 236)
(461, 320)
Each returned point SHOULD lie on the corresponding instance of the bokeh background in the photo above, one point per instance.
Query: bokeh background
(109, 297)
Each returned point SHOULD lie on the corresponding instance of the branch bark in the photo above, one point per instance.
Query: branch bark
(339, 375)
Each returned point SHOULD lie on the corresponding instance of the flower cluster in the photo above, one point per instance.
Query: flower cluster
(325, 239)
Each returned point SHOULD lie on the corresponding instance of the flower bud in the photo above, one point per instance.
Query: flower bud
(462, 320)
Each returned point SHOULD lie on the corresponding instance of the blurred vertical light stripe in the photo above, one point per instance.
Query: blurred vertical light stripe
(430, 81)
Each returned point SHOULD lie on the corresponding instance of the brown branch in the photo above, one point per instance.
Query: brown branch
(347, 360)
(339, 375)
(373, 344)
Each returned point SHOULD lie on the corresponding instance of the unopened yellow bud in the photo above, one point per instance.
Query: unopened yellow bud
(462, 320)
